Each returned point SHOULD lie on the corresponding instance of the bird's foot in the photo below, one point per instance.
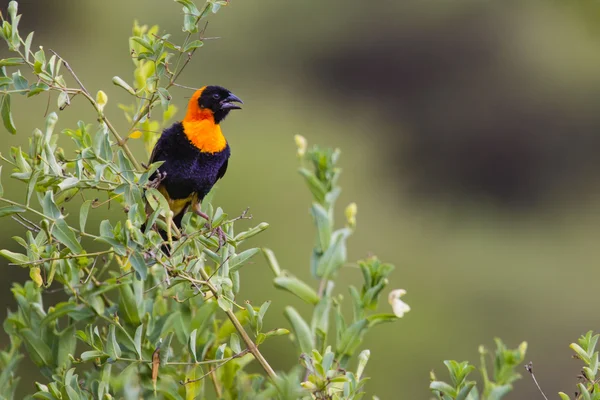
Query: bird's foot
(154, 183)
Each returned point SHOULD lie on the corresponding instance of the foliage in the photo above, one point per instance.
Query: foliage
(585, 350)
(137, 323)
(495, 387)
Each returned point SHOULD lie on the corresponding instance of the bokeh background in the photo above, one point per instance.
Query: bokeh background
(469, 132)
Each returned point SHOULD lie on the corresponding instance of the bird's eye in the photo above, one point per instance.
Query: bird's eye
(216, 96)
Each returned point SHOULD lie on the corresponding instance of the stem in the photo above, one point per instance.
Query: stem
(238, 326)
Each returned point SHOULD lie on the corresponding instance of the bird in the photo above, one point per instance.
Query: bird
(195, 153)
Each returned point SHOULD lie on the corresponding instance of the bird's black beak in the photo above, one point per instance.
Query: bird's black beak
(227, 103)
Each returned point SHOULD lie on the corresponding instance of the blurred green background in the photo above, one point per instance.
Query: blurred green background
(469, 132)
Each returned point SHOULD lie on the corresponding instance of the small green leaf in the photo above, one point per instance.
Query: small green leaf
(464, 392)
(16, 258)
(63, 233)
(20, 82)
(137, 339)
(239, 260)
(220, 351)
(28, 42)
(193, 45)
(272, 261)
(301, 330)
(164, 348)
(128, 306)
(234, 343)
(563, 396)
(37, 88)
(139, 264)
(38, 350)
(121, 83)
(112, 346)
(11, 62)
(192, 344)
(10, 210)
(92, 354)
(49, 206)
(83, 214)
(444, 388)
(7, 119)
(67, 343)
(298, 288)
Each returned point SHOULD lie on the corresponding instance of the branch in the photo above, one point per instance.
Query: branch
(238, 326)
(122, 143)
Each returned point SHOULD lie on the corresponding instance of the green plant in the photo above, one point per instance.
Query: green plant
(136, 323)
(495, 387)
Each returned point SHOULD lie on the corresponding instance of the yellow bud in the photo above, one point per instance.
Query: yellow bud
(351, 214)
(301, 144)
(308, 385)
(135, 135)
(36, 276)
(101, 99)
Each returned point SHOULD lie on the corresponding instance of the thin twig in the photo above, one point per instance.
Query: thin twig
(529, 368)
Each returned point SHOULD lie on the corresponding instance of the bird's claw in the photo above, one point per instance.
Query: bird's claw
(154, 183)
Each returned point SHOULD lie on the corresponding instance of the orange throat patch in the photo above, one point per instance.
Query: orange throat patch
(200, 128)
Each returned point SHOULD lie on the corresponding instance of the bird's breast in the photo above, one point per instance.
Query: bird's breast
(205, 135)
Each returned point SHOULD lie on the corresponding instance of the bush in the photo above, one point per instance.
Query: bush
(138, 323)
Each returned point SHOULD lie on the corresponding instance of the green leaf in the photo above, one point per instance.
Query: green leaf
(298, 288)
(144, 43)
(7, 119)
(323, 223)
(16, 258)
(11, 62)
(128, 306)
(238, 260)
(351, 338)
(38, 350)
(112, 346)
(63, 233)
(67, 342)
(193, 45)
(234, 343)
(121, 83)
(301, 330)
(315, 186)
(444, 388)
(272, 261)
(563, 396)
(10, 210)
(164, 348)
(28, 42)
(165, 97)
(335, 256)
(20, 82)
(192, 344)
(139, 264)
(137, 339)
(83, 214)
(92, 354)
(49, 206)
(31, 186)
(37, 88)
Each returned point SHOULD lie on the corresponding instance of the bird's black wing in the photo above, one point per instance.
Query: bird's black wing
(222, 170)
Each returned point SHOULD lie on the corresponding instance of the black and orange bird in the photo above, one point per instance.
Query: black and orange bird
(194, 151)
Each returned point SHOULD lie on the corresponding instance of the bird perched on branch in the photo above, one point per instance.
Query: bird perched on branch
(195, 152)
